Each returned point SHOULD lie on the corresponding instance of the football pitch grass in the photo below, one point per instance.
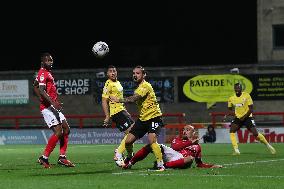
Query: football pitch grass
(95, 168)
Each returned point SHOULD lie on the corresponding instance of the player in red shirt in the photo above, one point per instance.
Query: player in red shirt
(181, 154)
(50, 107)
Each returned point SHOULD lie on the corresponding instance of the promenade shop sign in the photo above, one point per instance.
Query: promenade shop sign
(79, 86)
(214, 88)
(13, 92)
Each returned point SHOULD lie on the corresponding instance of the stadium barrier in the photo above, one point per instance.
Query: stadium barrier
(77, 121)
(86, 134)
(271, 119)
(114, 136)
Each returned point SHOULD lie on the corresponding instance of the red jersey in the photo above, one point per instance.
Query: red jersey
(45, 78)
(186, 148)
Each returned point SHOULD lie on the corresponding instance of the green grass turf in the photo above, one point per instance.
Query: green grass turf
(254, 168)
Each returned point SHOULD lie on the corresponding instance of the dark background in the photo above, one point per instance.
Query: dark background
(157, 33)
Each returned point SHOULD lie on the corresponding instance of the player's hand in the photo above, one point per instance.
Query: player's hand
(217, 166)
(195, 141)
(195, 138)
(57, 105)
(243, 118)
(224, 118)
(106, 122)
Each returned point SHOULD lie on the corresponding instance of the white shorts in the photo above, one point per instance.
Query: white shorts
(170, 154)
(50, 119)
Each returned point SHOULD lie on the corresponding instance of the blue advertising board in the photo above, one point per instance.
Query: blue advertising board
(77, 136)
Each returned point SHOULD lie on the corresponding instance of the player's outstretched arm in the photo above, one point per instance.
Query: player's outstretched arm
(132, 98)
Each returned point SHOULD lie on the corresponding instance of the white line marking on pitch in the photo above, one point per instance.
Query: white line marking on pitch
(247, 176)
(207, 175)
(253, 162)
(143, 172)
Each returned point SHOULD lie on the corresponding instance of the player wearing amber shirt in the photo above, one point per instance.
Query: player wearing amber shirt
(242, 104)
(116, 111)
(149, 120)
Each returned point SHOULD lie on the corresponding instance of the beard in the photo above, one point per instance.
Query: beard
(184, 137)
(135, 78)
(48, 67)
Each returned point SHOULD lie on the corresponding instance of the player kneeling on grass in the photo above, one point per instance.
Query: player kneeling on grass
(181, 154)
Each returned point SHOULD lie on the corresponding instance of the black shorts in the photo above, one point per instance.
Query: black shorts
(153, 125)
(122, 120)
(248, 122)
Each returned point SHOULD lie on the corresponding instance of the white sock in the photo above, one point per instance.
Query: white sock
(160, 163)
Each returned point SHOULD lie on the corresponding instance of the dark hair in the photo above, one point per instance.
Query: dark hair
(238, 85)
(210, 126)
(44, 55)
(142, 68)
(111, 66)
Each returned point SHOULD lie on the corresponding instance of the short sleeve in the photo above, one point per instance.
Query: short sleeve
(106, 90)
(142, 91)
(230, 104)
(249, 100)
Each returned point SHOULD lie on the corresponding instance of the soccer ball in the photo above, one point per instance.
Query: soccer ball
(100, 49)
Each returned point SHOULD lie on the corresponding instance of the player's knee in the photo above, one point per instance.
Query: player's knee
(130, 139)
(66, 131)
(148, 148)
(152, 138)
(232, 130)
(255, 135)
(151, 141)
(57, 130)
(128, 142)
(59, 134)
